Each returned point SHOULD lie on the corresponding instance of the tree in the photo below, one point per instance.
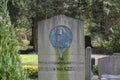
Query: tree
(10, 65)
(105, 14)
(99, 15)
(79, 9)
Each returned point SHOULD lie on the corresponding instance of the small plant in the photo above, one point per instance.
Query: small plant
(32, 71)
(95, 69)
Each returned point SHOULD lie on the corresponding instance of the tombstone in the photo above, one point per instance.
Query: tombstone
(88, 53)
(61, 49)
(109, 66)
(110, 77)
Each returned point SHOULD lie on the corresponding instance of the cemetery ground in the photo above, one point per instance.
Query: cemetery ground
(29, 59)
(30, 64)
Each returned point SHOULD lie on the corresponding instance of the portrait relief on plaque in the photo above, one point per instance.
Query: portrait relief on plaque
(61, 37)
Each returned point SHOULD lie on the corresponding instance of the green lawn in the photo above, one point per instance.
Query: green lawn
(29, 59)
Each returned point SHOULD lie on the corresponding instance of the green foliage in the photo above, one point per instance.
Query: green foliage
(97, 35)
(105, 14)
(97, 10)
(20, 13)
(79, 9)
(32, 71)
(114, 39)
(95, 70)
(23, 36)
(10, 64)
(30, 65)
(99, 15)
(111, 43)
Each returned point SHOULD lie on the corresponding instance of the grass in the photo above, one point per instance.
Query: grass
(29, 59)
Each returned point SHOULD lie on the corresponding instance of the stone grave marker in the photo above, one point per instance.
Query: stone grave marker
(88, 52)
(110, 77)
(61, 49)
(109, 66)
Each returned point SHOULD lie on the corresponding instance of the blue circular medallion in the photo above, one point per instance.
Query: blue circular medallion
(61, 36)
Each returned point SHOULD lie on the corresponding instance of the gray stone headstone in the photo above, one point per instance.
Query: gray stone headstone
(61, 49)
(109, 65)
(88, 53)
(110, 77)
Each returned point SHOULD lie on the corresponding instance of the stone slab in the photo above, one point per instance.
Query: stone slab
(72, 65)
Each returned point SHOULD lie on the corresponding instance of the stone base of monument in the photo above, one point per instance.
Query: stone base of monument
(110, 77)
(94, 77)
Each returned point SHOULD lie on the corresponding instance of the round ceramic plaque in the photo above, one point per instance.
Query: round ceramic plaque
(61, 36)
